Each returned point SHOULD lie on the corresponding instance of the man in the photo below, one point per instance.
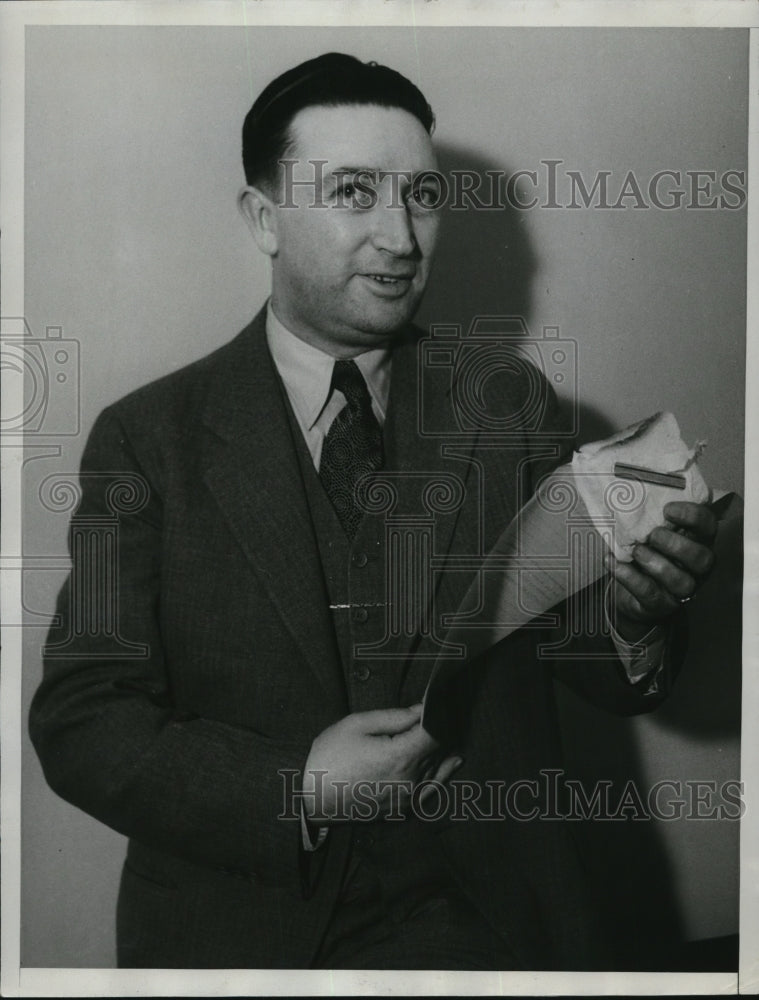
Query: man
(265, 670)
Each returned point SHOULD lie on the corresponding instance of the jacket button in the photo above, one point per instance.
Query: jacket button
(362, 672)
(360, 559)
(360, 614)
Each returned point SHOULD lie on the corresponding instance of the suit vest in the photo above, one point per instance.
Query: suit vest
(355, 580)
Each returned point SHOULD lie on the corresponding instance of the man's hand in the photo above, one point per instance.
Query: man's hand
(380, 755)
(666, 571)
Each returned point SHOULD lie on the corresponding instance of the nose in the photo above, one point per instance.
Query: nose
(392, 230)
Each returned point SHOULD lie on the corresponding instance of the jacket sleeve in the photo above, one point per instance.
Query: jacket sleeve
(104, 723)
(589, 662)
(590, 665)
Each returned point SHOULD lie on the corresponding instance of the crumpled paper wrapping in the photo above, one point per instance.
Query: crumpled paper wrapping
(655, 444)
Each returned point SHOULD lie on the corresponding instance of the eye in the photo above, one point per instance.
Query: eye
(356, 193)
(424, 196)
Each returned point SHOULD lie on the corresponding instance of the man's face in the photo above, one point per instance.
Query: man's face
(348, 276)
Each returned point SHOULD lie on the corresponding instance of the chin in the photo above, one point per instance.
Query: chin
(388, 321)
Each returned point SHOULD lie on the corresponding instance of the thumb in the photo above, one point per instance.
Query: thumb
(388, 721)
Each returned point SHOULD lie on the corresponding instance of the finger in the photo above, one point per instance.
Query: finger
(693, 557)
(430, 787)
(666, 573)
(413, 756)
(387, 721)
(695, 518)
(429, 773)
(447, 767)
(645, 596)
(425, 768)
(630, 606)
(415, 744)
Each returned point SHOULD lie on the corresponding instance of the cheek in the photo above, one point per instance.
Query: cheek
(323, 244)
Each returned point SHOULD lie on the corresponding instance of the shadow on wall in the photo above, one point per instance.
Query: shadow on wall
(486, 266)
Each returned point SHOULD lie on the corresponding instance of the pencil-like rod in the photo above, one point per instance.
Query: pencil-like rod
(673, 479)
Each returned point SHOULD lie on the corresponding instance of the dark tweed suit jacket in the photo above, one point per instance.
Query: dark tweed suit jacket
(179, 746)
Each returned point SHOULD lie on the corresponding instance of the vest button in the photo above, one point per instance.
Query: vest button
(360, 615)
(360, 559)
(362, 672)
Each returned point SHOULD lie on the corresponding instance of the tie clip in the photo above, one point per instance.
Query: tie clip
(673, 479)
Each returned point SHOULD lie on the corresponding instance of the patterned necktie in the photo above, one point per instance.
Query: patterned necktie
(352, 447)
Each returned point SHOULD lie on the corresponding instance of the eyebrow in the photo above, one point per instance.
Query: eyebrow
(339, 173)
(355, 170)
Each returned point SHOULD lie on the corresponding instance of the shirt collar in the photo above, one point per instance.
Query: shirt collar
(307, 371)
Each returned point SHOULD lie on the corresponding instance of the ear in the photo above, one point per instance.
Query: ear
(259, 212)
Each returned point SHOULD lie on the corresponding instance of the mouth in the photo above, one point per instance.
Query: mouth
(390, 279)
(388, 286)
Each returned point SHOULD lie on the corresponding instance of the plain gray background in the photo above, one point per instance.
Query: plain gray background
(135, 248)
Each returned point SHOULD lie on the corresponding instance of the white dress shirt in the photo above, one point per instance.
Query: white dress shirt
(306, 372)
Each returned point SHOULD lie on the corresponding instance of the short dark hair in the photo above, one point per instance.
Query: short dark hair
(333, 79)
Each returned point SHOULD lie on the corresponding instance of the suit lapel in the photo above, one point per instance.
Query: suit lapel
(418, 459)
(252, 470)
(424, 443)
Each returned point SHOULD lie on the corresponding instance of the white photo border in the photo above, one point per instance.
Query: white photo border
(14, 18)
